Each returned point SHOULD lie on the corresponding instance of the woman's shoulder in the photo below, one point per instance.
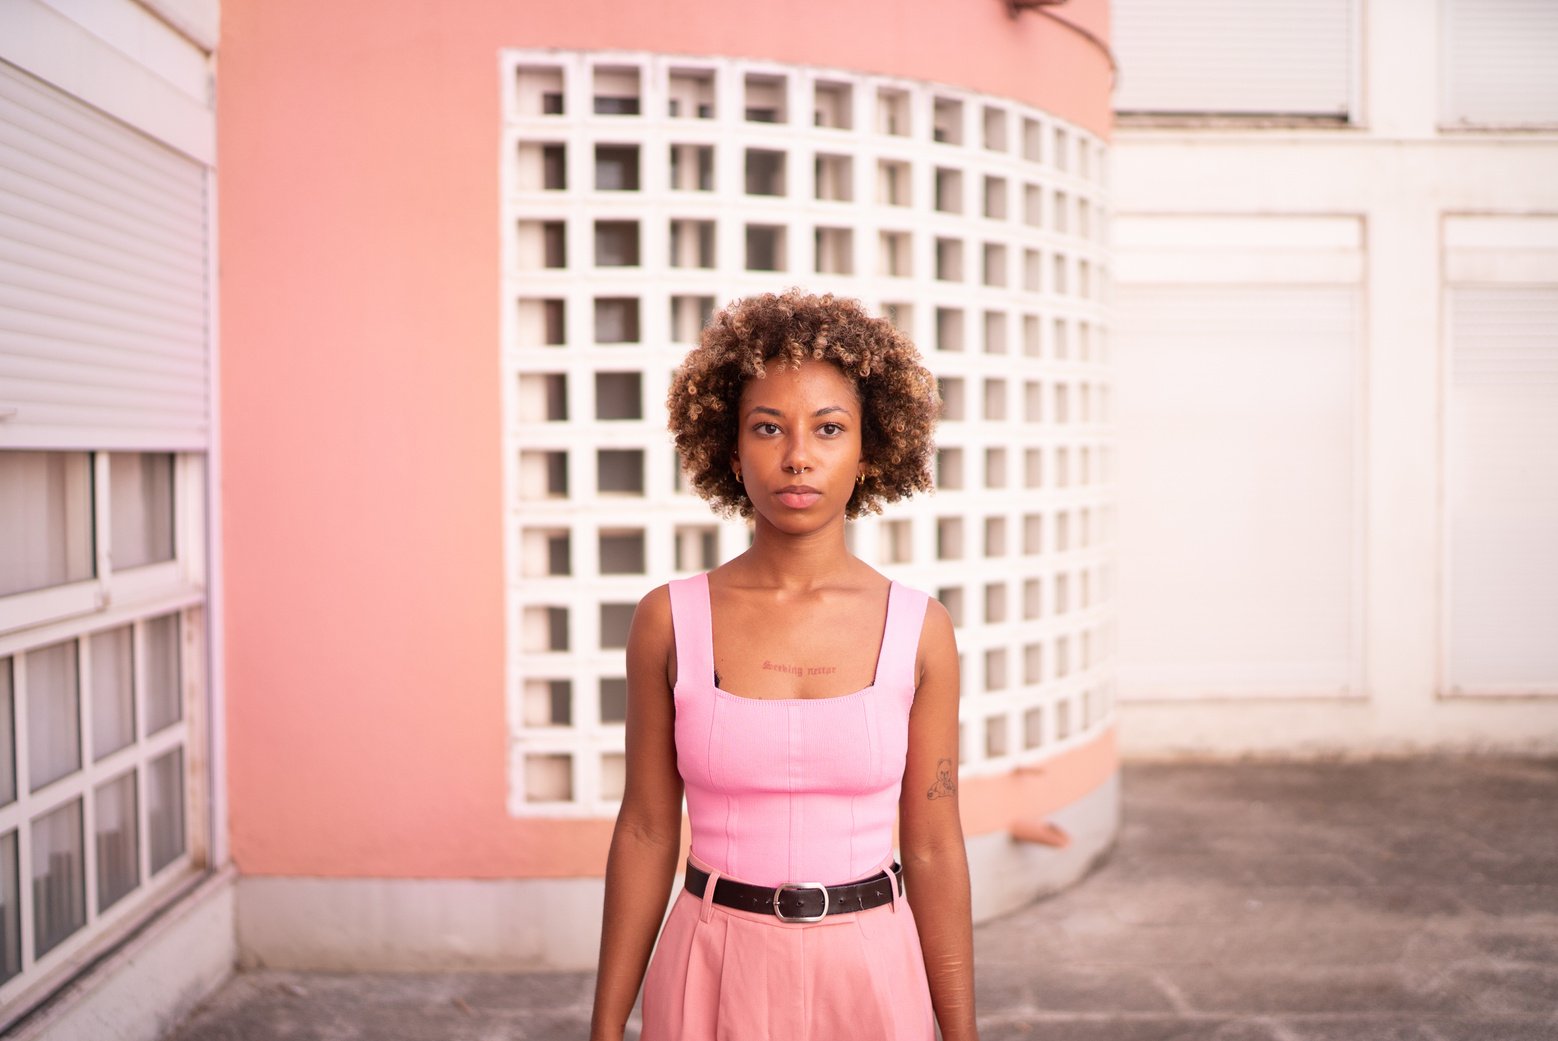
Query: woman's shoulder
(652, 614)
(657, 608)
(936, 618)
(913, 591)
(660, 597)
(936, 621)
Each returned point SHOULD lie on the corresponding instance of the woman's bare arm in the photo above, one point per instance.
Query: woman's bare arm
(931, 833)
(647, 838)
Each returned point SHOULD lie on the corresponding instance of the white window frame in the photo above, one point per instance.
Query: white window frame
(131, 597)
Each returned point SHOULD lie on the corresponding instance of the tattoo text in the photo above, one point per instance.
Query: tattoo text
(800, 670)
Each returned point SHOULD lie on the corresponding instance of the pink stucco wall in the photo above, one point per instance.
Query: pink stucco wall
(358, 181)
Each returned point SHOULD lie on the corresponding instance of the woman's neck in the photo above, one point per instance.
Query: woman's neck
(793, 562)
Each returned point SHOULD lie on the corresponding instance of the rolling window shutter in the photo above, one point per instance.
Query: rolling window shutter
(1237, 354)
(103, 280)
(1237, 497)
(1503, 489)
(1237, 57)
(1499, 63)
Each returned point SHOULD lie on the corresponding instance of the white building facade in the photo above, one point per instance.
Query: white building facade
(1335, 322)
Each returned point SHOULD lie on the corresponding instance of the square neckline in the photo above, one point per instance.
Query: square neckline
(876, 672)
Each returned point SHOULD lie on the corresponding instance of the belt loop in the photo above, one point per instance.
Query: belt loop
(895, 882)
(707, 910)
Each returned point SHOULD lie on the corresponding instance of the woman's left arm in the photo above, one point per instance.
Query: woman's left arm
(930, 833)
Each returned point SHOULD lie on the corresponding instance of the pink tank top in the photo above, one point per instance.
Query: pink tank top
(792, 790)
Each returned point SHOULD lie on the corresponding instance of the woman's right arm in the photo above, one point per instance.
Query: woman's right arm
(647, 838)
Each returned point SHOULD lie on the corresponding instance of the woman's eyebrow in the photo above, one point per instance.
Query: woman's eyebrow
(769, 410)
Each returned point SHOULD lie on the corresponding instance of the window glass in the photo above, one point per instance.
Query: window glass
(118, 856)
(53, 714)
(113, 703)
(7, 736)
(164, 705)
(59, 901)
(45, 519)
(165, 808)
(10, 910)
(140, 490)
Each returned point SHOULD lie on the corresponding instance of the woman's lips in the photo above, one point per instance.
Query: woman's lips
(798, 496)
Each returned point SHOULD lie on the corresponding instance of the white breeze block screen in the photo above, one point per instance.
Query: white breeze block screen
(642, 191)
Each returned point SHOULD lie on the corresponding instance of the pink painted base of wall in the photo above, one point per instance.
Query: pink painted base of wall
(358, 150)
(577, 848)
(997, 803)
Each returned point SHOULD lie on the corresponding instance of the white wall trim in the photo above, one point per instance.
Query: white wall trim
(216, 576)
(199, 21)
(59, 51)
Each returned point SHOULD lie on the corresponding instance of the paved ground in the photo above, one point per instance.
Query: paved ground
(1388, 901)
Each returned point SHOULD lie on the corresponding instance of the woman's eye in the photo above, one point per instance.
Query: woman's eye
(767, 428)
(831, 429)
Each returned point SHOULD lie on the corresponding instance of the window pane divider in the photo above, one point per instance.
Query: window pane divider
(119, 613)
(140, 583)
(102, 518)
(23, 610)
(23, 896)
(88, 777)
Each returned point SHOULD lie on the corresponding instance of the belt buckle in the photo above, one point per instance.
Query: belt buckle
(798, 886)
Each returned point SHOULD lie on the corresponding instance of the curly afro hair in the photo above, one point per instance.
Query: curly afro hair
(897, 393)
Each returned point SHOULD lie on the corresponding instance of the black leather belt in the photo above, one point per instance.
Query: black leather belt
(799, 901)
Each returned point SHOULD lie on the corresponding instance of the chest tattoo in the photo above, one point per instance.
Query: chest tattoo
(799, 670)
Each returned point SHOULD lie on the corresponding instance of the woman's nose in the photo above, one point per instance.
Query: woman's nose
(797, 459)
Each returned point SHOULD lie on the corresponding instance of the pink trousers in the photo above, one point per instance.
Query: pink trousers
(719, 974)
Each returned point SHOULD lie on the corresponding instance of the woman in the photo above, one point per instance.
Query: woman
(800, 699)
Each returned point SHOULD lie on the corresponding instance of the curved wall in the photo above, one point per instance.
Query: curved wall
(363, 429)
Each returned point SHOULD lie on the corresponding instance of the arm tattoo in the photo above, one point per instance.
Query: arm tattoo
(945, 786)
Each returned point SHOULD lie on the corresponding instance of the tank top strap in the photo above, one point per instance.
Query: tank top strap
(693, 629)
(901, 641)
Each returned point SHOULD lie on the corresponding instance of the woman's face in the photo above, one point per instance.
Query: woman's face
(798, 444)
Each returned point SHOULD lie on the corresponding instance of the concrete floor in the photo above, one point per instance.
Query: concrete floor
(1386, 901)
